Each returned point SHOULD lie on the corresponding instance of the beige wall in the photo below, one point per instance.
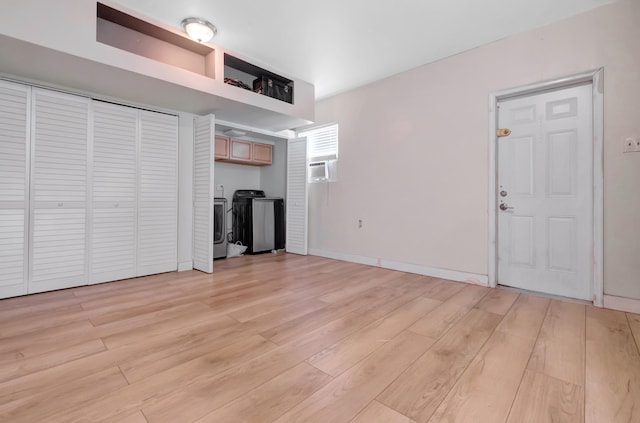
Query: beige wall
(414, 149)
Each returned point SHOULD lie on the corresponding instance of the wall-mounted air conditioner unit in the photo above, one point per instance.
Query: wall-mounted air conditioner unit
(323, 171)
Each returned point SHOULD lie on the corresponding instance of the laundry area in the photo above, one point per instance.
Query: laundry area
(250, 189)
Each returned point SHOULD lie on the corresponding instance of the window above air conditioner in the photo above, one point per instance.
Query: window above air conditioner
(322, 153)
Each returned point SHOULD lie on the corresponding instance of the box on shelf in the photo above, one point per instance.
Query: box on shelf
(273, 88)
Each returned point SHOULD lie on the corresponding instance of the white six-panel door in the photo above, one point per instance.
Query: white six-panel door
(545, 183)
(14, 171)
(59, 191)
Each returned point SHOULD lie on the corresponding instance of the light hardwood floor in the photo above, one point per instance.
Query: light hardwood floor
(285, 338)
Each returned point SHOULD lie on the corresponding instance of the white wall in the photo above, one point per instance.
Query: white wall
(414, 149)
(273, 179)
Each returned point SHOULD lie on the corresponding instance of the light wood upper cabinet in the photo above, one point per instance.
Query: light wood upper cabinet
(232, 150)
(241, 150)
(262, 153)
(222, 148)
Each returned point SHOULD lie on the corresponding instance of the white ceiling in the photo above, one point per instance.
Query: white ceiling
(341, 44)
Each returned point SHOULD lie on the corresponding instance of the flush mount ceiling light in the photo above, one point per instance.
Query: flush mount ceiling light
(198, 29)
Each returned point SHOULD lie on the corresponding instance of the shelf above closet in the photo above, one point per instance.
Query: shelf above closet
(107, 50)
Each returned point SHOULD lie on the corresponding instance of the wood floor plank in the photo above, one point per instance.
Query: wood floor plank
(285, 314)
(188, 319)
(134, 417)
(269, 401)
(544, 399)
(107, 290)
(38, 407)
(109, 297)
(128, 300)
(388, 300)
(141, 308)
(367, 279)
(487, 388)
(442, 290)
(612, 386)
(379, 413)
(498, 301)
(156, 389)
(275, 305)
(343, 355)
(212, 336)
(298, 327)
(26, 303)
(205, 395)
(634, 323)
(41, 320)
(560, 348)
(440, 320)
(87, 365)
(348, 394)
(52, 358)
(46, 302)
(34, 383)
(233, 301)
(422, 387)
(130, 323)
(47, 339)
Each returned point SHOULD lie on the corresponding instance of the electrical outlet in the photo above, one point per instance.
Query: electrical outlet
(637, 144)
(629, 145)
(359, 223)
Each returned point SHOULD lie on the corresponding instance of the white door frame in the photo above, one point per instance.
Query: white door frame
(596, 78)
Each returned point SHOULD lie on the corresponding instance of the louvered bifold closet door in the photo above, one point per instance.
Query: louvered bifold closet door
(297, 196)
(14, 153)
(60, 137)
(114, 188)
(158, 193)
(204, 127)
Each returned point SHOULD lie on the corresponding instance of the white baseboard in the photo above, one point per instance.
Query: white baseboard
(434, 272)
(185, 265)
(629, 305)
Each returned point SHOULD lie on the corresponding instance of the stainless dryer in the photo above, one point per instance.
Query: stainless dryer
(219, 227)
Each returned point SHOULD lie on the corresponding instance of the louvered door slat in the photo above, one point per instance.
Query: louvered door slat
(13, 142)
(14, 151)
(113, 252)
(296, 233)
(158, 193)
(60, 134)
(60, 147)
(114, 192)
(58, 249)
(203, 193)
